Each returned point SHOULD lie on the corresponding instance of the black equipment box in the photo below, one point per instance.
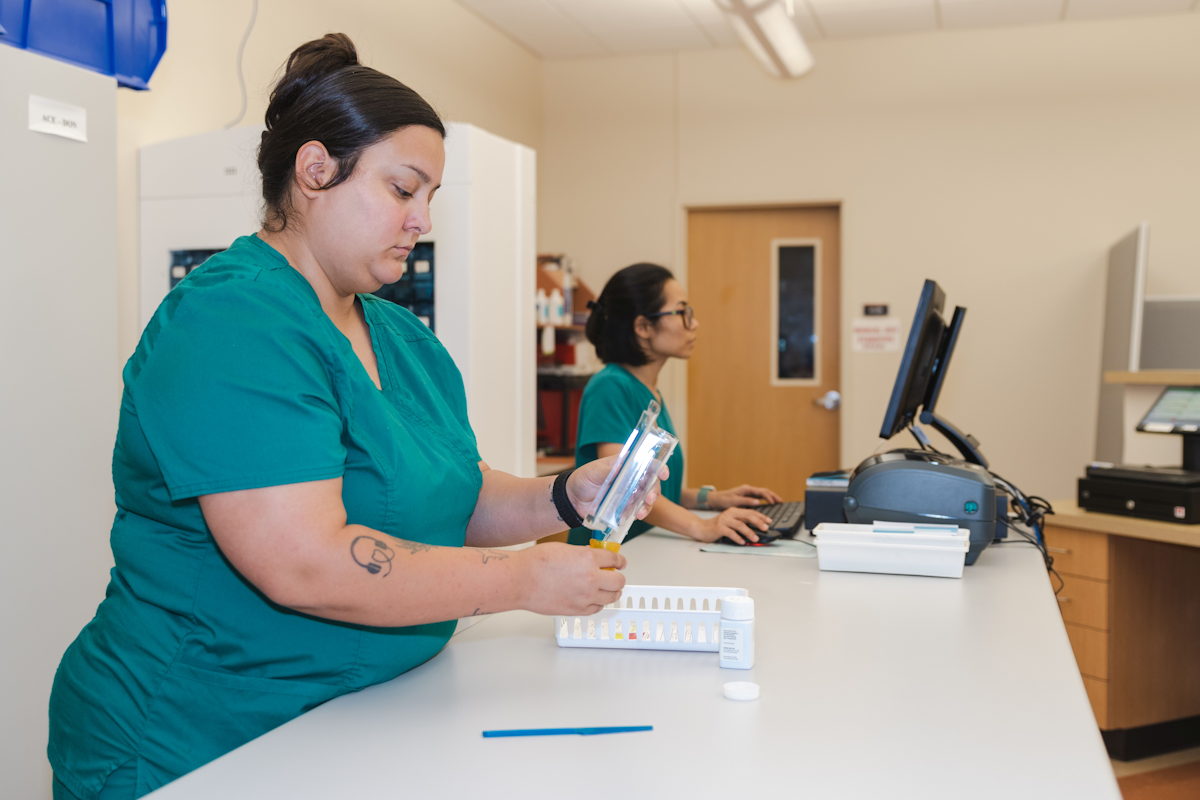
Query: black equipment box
(1170, 495)
(824, 504)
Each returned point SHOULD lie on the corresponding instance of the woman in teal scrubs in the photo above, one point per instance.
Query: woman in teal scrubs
(301, 508)
(642, 319)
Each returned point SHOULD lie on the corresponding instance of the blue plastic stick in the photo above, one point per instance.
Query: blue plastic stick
(564, 731)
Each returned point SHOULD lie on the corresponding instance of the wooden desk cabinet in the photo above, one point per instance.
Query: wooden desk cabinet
(1131, 605)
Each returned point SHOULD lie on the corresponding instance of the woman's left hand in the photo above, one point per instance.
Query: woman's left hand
(744, 496)
(584, 484)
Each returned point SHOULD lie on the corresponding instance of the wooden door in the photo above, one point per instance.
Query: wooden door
(752, 410)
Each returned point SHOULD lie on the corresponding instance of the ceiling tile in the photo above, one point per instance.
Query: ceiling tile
(598, 15)
(848, 18)
(987, 13)
(540, 27)
(1091, 9)
(650, 40)
(555, 47)
(703, 11)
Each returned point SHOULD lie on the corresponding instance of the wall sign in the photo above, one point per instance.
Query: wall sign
(875, 335)
(875, 310)
(57, 119)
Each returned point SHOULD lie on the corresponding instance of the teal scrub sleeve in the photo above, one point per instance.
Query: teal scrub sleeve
(607, 413)
(237, 393)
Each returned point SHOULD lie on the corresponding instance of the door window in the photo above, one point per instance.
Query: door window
(795, 312)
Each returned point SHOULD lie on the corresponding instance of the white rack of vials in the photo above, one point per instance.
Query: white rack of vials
(651, 618)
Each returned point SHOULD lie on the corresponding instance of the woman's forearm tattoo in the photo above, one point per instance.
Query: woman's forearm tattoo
(375, 555)
(493, 555)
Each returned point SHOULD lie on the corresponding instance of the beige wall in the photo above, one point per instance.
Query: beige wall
(1001, 163)
(469, 71)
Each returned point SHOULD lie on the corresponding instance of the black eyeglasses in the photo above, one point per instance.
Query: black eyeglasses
(687, 312)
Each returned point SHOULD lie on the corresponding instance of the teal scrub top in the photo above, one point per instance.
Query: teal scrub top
(611, 406)
(241, 381)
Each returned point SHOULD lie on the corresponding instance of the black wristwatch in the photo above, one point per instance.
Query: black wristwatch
(563, 503)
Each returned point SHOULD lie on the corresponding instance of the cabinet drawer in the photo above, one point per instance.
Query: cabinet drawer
(1097, 692)
(1091, 650)
(1078, 552)
(1084, 602)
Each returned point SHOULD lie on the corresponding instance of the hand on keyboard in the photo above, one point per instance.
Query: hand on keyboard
(744, 496)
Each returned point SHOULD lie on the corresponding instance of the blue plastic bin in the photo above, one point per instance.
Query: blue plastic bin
(122, 38)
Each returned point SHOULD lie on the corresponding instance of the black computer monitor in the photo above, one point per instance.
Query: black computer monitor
(941, 362)
(916, 366)
(922, 374)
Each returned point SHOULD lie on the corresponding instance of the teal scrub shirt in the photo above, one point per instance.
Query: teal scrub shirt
(241, 381)
(611, 406)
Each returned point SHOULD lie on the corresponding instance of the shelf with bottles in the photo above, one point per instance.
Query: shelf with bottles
(555, 273)
(562, 346)
(566, 359)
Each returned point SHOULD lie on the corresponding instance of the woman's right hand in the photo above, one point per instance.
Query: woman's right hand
(568, 579)
(738, 524)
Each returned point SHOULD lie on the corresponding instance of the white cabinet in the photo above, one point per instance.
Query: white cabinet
(59, 390)
(202, 192)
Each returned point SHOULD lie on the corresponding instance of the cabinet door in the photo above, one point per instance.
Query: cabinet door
(1155, 638)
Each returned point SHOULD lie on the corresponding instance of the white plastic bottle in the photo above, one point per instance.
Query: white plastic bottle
(542, 308)
(737, 632)
(556, 307)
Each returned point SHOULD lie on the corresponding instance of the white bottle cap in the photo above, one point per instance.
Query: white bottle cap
(737, 607)
(741, 690)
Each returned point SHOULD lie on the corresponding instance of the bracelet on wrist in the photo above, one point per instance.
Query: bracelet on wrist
(702, 497)
(558, 493)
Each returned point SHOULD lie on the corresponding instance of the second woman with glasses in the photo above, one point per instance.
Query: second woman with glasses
(642, 319)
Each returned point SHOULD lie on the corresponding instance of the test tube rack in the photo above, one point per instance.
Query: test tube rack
(651, 618)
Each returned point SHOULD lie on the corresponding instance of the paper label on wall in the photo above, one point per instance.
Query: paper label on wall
(875, 335)
(58, 119)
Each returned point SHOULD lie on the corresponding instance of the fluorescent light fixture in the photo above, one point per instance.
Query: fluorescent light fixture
(767, 30)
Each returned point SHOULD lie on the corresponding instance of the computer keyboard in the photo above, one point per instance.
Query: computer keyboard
(785, 517)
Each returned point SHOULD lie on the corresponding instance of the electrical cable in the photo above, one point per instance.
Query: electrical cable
(1031, 512)
(240, 72)
(921, 442)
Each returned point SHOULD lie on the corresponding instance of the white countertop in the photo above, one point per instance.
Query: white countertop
(873, 686)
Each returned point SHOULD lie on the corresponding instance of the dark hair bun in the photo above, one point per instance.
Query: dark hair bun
(309, 63)
(329, 53)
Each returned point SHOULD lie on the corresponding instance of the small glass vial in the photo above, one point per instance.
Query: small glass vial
(737, 632)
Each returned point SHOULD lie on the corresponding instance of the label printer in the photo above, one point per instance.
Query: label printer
(923, 486)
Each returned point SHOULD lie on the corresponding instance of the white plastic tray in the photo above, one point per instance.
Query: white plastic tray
(859, 548)
(661, 618)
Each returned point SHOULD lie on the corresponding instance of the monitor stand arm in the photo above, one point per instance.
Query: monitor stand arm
(1191, 452)
(965, 443)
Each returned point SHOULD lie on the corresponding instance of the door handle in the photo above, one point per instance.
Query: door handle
(830, 401)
